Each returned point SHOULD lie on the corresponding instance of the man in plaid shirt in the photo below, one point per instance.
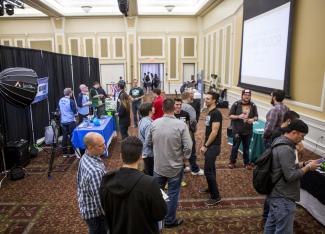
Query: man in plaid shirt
(90, 172)
(274, 117)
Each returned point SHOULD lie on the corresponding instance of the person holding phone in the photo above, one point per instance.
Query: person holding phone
(242, 113)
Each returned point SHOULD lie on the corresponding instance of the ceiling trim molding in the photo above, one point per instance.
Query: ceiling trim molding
(46, 9)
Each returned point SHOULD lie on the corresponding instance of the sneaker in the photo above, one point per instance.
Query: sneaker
(200, 173)
(204, 190)
(175, 224)
(183, 184)
(231, 165)
(248, 167)
(212, 202)
(187, 169)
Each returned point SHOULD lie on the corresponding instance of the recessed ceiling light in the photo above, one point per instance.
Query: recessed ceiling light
(86, 9)
(169, 8)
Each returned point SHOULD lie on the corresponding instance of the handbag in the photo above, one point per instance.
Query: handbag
(17, 173)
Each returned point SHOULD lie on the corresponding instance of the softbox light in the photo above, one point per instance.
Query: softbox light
(18, 86)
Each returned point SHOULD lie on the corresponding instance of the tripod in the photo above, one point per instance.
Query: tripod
(55, 129)
(4, 172)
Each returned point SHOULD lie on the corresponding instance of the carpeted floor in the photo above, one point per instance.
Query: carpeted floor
(37, 204)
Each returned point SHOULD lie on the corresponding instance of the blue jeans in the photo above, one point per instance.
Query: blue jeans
(266, 209)
(192, 159)
(124, 130)
(174, 186)
(237, 139)
(210, 157)
(281, 216)
(148, 165)
(67, 129)
(97, 225)
(135, 110)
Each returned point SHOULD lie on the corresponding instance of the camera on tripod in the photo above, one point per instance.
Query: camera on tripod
(56, 116)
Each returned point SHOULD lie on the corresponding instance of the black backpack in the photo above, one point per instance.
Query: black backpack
(262, 180)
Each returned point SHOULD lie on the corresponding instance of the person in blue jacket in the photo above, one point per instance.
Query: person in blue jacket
(83, 103)
(68, 111)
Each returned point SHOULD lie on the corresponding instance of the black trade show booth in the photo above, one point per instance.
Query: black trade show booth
(20, 127)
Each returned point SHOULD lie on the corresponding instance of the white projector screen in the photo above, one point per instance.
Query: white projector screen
(264, 48)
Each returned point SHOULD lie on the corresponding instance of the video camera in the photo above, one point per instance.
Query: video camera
(56, 116)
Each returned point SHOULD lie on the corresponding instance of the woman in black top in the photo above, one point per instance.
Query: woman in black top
(124, 115)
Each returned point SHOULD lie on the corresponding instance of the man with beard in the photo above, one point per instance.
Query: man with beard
(274, 117)
(211, 147)
(242, 113)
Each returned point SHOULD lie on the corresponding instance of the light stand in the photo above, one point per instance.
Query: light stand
(54, 124)
(5, 172)
(18, 86)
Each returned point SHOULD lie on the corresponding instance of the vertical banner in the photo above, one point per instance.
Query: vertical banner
(42, 89)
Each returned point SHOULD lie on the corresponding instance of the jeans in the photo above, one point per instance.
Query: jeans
(148, 166)
(210, 157)
(266, 209)
(124, 130)
(67, 129)
(192, 159)
(135, 110)
(97, 225)
(174, 186)
(281, 216)
(82, 117)
(237, 139)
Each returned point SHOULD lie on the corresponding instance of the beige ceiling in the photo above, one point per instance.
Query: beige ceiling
(60, 8)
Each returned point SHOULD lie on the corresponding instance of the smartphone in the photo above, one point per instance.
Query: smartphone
(321, 160)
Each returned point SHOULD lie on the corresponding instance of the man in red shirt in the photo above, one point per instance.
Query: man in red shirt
(157, 104)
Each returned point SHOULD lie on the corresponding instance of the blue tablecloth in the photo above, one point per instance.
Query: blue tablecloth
(256, 147)
(106, 129)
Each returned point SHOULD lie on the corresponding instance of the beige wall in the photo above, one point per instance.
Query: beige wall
(87, 32)
(308, 52)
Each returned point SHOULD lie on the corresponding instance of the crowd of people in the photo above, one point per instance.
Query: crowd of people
(130, 201)
(150, 81)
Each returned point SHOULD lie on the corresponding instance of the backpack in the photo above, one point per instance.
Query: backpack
(262, 180)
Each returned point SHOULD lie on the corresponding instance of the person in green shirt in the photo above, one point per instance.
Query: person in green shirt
(96, 99)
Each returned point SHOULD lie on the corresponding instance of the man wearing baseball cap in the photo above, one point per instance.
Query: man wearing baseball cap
(242, 113)
(286, 174)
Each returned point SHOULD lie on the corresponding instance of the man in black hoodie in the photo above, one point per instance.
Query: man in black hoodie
(132, 201)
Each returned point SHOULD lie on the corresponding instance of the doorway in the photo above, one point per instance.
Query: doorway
(110, 74)
(188, 71)
(152, 68)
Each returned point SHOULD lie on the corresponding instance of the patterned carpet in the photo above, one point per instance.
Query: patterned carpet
(37, 204)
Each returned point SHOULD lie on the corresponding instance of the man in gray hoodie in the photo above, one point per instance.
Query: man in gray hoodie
(286, 174)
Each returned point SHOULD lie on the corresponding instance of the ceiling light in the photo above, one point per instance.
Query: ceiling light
(169, 8)
(86, 9)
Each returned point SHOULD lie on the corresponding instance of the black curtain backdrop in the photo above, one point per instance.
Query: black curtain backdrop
(58, 68)
(80, 73)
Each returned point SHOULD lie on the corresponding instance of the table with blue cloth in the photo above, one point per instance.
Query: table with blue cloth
(106, 129)
(256, 147)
